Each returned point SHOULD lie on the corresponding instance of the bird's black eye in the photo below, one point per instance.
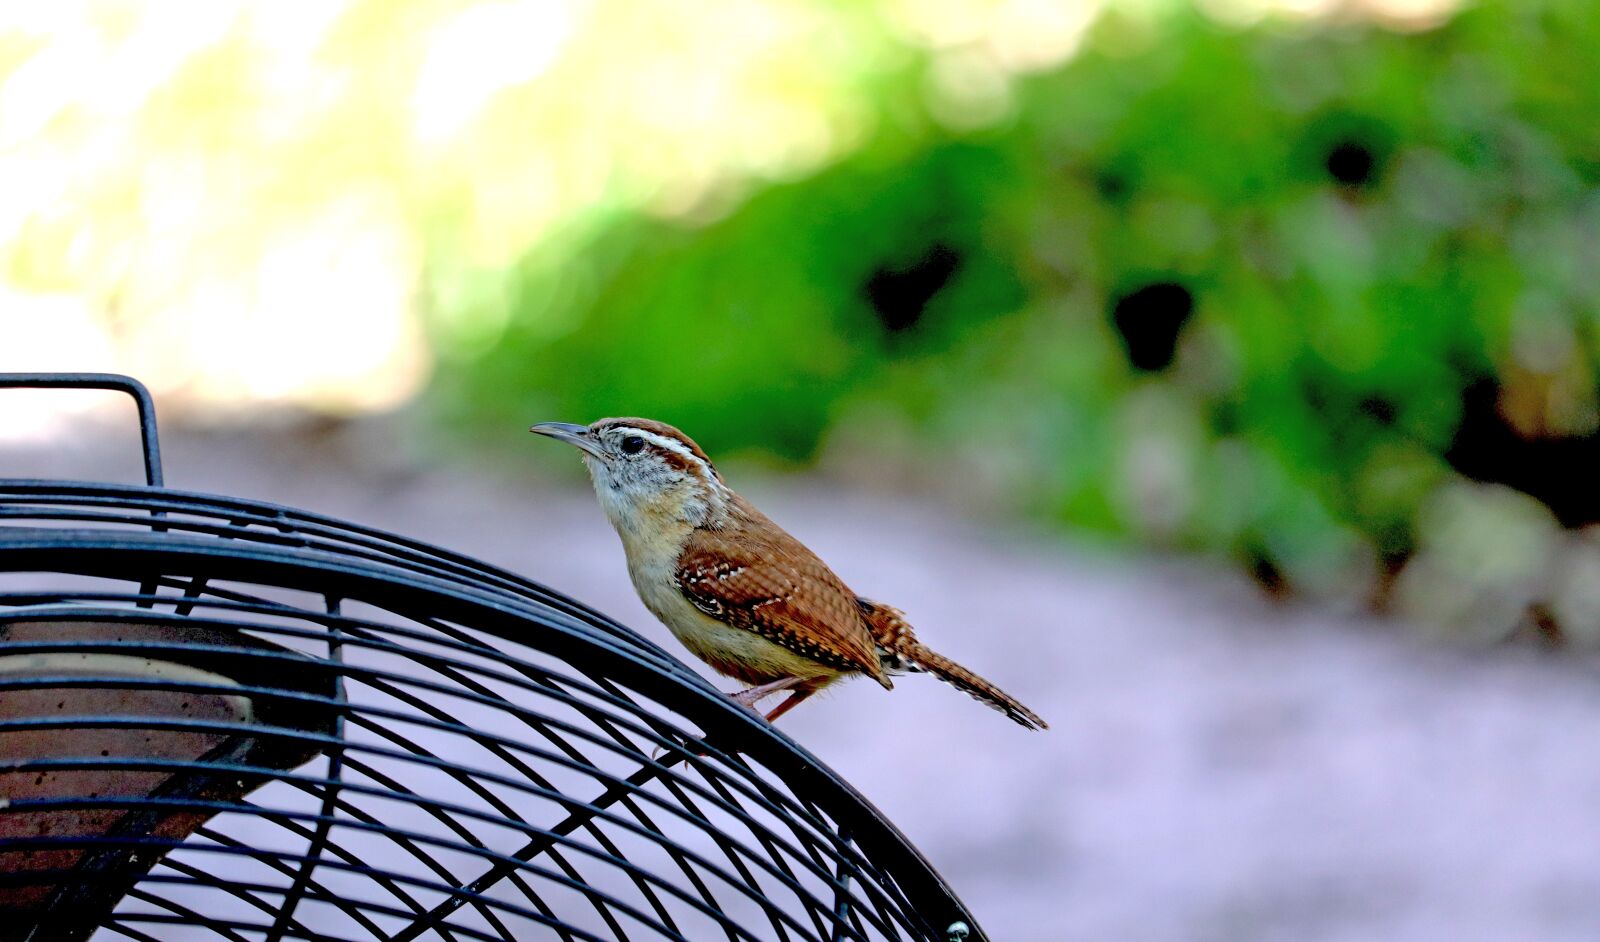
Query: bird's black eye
(632, 445)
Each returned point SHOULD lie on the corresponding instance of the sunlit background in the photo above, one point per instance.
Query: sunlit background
(1305, 289)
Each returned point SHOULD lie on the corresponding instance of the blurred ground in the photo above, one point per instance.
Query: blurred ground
(1219, 768)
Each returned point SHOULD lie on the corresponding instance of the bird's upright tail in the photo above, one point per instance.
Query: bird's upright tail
(900, 650)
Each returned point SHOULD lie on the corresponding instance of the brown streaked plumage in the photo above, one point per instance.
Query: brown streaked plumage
(760, 578)
(739, 591)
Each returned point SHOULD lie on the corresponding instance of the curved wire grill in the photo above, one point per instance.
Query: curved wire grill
(439, 749)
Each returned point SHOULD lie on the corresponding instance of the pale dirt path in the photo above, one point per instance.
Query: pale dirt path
(1219, 768)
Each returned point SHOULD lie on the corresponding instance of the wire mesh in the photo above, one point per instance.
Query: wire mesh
(386, 740)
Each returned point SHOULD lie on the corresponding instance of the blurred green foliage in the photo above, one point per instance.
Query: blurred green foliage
(1204, 287)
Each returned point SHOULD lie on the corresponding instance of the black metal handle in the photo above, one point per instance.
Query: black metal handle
(112, 381)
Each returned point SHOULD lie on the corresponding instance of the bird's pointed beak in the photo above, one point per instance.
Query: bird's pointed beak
(578, 435)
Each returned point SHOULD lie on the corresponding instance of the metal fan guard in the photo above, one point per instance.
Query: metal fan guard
(403, 743)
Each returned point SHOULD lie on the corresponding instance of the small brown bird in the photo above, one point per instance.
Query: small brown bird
(734, 587)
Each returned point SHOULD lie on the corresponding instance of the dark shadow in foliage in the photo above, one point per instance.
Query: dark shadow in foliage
(1351, 162)
(1117, 181)
(1351, 150)
(1264, 569)
(899, 296)
(1558, 471)
(1149, 319)
(1378, 409)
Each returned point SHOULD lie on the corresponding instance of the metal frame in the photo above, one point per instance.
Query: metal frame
(502, 762)
(111, 381)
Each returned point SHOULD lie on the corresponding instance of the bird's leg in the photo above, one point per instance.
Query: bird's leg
(750, 696)
(789, 704)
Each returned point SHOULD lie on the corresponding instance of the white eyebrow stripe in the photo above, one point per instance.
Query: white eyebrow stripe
(672, 445)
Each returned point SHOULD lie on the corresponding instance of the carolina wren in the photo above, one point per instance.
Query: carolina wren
(734, 587)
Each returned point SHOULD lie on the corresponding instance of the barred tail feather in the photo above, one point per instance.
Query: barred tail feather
(925, 659)
(901, 651)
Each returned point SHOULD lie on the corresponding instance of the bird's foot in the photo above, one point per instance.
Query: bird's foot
(750, 696)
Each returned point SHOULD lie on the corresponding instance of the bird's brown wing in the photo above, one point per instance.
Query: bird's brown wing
(775, 587)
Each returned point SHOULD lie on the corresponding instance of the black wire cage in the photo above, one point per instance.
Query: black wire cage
(226, 719)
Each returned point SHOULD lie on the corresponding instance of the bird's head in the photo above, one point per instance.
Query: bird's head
(645, 471)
